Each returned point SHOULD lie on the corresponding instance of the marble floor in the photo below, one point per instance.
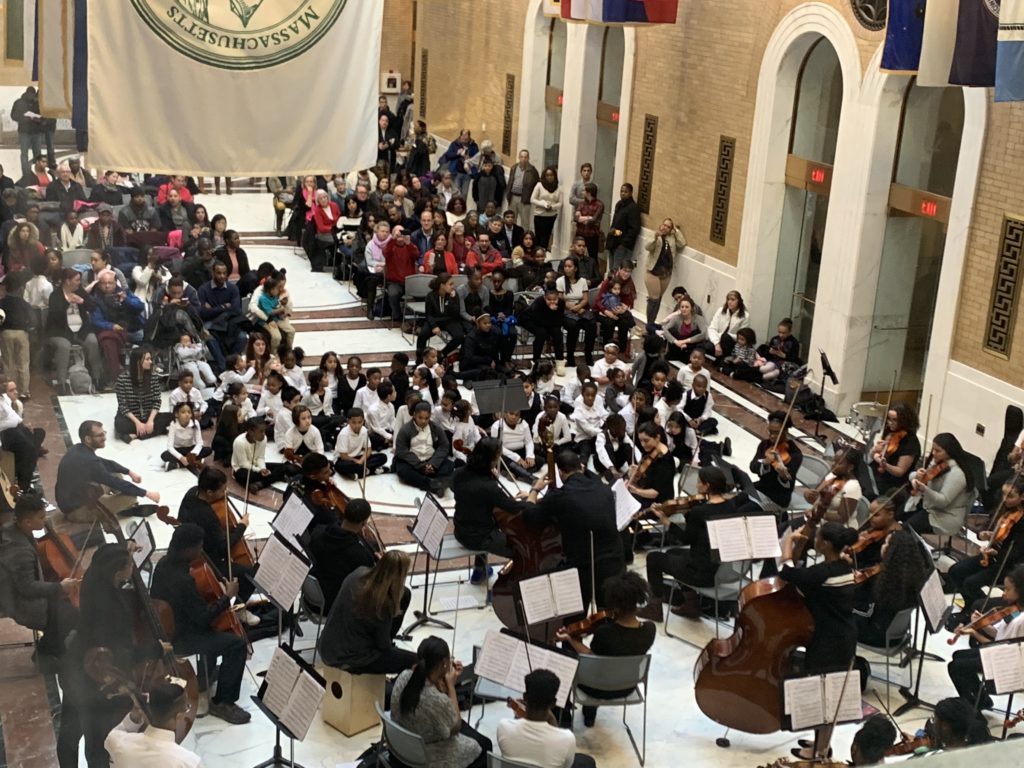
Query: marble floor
(673, 719)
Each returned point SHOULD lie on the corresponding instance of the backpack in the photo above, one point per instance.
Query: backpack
(79, 380)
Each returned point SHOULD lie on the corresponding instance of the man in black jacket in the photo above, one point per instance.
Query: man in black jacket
(25, 112)
(27, 598)
(194, 617)
(64, 189)
(197, 507)
(625, 228)
(339, 548)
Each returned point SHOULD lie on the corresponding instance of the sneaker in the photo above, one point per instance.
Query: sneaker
(478, 575)
(247, 617)
(380, 471)
(229, 713)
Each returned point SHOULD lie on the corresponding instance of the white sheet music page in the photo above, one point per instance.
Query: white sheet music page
(933, 600)
(764, 537)
(430, 526)
(626, 504)
(281, 676)
(302, 705)
(281, 572)
(803, 703)
(731, 537)
(143, 537)
(536, 597)
(565, 586)
(1003, 664)
(496, 657)
(564, 668)
(293, 518)
(849, 707)
(524, 661)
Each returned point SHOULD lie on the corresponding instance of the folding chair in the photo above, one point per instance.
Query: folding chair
(728, 585)
(615, 673)
(400, 744)
(897, 643)
(414, 301)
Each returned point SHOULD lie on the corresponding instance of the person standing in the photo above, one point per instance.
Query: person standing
(546, 202)
(588, 215)
(521, 180)
(625, 228)
(662, 251)
(25, 112)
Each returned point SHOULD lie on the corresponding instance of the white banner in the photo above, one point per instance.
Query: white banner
(937, 45)
(234, 87)
(56, 56)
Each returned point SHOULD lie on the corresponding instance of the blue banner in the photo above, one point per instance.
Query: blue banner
(1010, 52)
(904, 32)
(974, 55)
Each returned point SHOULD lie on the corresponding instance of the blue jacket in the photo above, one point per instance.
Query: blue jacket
(451, 159)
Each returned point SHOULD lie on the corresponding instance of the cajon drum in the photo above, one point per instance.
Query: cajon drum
(349, 700)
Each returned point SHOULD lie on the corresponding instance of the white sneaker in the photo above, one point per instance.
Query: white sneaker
(248, 618)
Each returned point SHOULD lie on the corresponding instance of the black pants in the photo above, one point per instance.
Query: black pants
(586, 448)
(727, 343)
(323, 253)
(919, 521)
(84, 712)
(618, 328)
(278, 472)
(543, 333)
(455, 333)
(184, 451)
(543, 226)
(330, 426)
(410, 475)
(573, 325)
(348, 467)
(231, 650)
(123, 426)
(25, 447)
(61, 619)
(965, 672)
(621, 457)
(969, 577)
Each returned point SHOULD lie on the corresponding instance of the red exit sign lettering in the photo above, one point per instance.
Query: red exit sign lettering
(929, 208)
(818, 175)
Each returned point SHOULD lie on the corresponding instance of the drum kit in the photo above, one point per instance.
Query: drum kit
(868, 418)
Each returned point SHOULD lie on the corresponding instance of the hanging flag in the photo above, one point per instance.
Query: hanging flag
(241, 88)
(55, 31)
(574, 10)
(904, 31)
(631, 11)
(80, 71)
(974, 54)
(1010, 52)
(552, 8)
(937, 43)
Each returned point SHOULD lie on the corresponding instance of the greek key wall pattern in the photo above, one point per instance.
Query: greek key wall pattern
(423, 84)
(650, 142)
(723, 186)
(506, 130)
(1005, 289)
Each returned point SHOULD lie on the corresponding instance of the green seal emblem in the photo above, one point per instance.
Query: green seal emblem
(240, 34)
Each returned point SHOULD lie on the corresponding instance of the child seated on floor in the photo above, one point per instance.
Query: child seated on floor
(184, 439)
(355, 454)
(185, 392)
(380, 419)
(744, 363)
(552, 419)
(319, 402)
(466, 434)
(613, 450)
(249, 459)
(516, 444)
(302, 437)
(781, 353)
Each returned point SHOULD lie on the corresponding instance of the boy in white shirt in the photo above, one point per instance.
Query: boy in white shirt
(671, 397)
(588, 417)
(380, 419)
(536, 739)
(302, 437)
(599, 370)
(366, 397)
(292, 371)
(516, 444)
(404, 414)
(571, 388)
(318, 399)
(283, 421)
(186, 392)
(249, 459)
(696, 367)
(154, 747)
(355, 453)
(558, 424)
(614, 451)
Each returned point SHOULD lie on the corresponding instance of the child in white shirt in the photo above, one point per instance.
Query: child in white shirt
(184, 439)
(466, 434)
(249, 459)
(588, 417)
(291, 369)
(191, 355)
(355, 453)
(284, 419)
(613, 451)
(559, 426)
(185, 392)
(443, 414)
(571, 388)
(599, 370)
(318, 400)
(696, 367)
(545, 375)
(236, 371)
(366, 397)
(404, 414)
(516, 444)
(380, 419)
(302, 437)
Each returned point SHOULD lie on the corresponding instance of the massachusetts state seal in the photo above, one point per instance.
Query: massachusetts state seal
(240, 34)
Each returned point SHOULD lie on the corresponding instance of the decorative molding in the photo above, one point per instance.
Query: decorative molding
(1006, 288)
(506, 131)
(871, 13)
(650, 143)
(723, 187)
(423, 84)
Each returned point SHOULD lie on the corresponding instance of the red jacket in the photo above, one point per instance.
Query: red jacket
(400, 261)
(451, 264)
(488, 262)
(325, 225)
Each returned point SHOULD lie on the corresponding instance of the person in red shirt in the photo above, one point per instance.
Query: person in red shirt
(178, 183)
(326, 215)
(400, 261)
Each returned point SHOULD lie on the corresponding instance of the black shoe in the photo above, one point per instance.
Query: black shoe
(438, 487)
(800, 754)
(139, 510)
(229, 713)
(726, 446)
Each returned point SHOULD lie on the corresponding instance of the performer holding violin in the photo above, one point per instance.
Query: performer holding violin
(867, 551)
(194, 619)
(837, 495)
(37, 603)
(1005, 549)
(889, 586)
(321, 496)
(1002, 623)
(653, 479)
(828, 589)
(776, 463)
(621, 634)
(896, 453)
(946, 489)
(696, 565)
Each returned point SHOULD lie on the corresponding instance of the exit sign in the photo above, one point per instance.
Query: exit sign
(615, 117)
(929, 208)
(817, 175)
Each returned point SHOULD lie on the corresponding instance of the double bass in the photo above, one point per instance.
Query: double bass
(153, 624)
(59, 559)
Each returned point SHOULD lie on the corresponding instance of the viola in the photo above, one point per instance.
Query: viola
(926, 476)
(1006, 523)
(586, 626)
(738, 678)
(517, 707)
(909, 745)
(865, 574)
(153, 623)
(986, 620)
(59, 559)
(1014, 720)
(241, 551)
(779, 456)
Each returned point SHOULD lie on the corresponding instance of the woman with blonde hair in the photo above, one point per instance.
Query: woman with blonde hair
(367, 615)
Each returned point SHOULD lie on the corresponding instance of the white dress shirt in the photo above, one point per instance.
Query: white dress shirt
(153, 748)
(514, 439)
(365, 398)
(587, 421)
(380, 420)
(536, 743)
(351, 443)
(246, 455)
(189, 436)
(311, 438)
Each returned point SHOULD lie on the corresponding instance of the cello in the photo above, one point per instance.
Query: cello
(738, 678)
(153, 624)
(60, 559)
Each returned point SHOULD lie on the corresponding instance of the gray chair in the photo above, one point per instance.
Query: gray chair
(312, 606)
(496, 761)
(863, 511)
(400, 743)
(414, 301)
(812, 471)
(728, 585)
(459, 280)
(615, 673)
(76, 257)
(897, 643)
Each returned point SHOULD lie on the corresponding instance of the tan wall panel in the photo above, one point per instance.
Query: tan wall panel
(396, 40)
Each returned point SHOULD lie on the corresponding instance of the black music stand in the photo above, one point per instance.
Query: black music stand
(934, 620)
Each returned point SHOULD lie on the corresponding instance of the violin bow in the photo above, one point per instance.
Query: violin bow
(821, 750)
(245, 506)
(367, 447)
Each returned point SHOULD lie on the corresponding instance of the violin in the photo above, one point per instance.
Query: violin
(1014, 720)
(778, 457)
(909, 745)
(59, 559)
(926, 476)
(986, 620)
(241, 551)
(865, 574)
(867, 538)
(683, 504)
(329, 495)
(517, 707)
(1002, 532)
(586, 626)
(290, 455)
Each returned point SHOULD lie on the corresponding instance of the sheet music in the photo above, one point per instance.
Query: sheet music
(537, 599)
(565, 587)
(849, 707)
(803, 703)
(293, 518)
(496, 656)
(507, 661)
(430, 526)
(281, 572)
(524, 661)
(565, 669)
(933, 601)
(143, 537)
(281, 676)
(626, 504)
(764, 537)
(731, 537)
(1003, 664)
(302, 705)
